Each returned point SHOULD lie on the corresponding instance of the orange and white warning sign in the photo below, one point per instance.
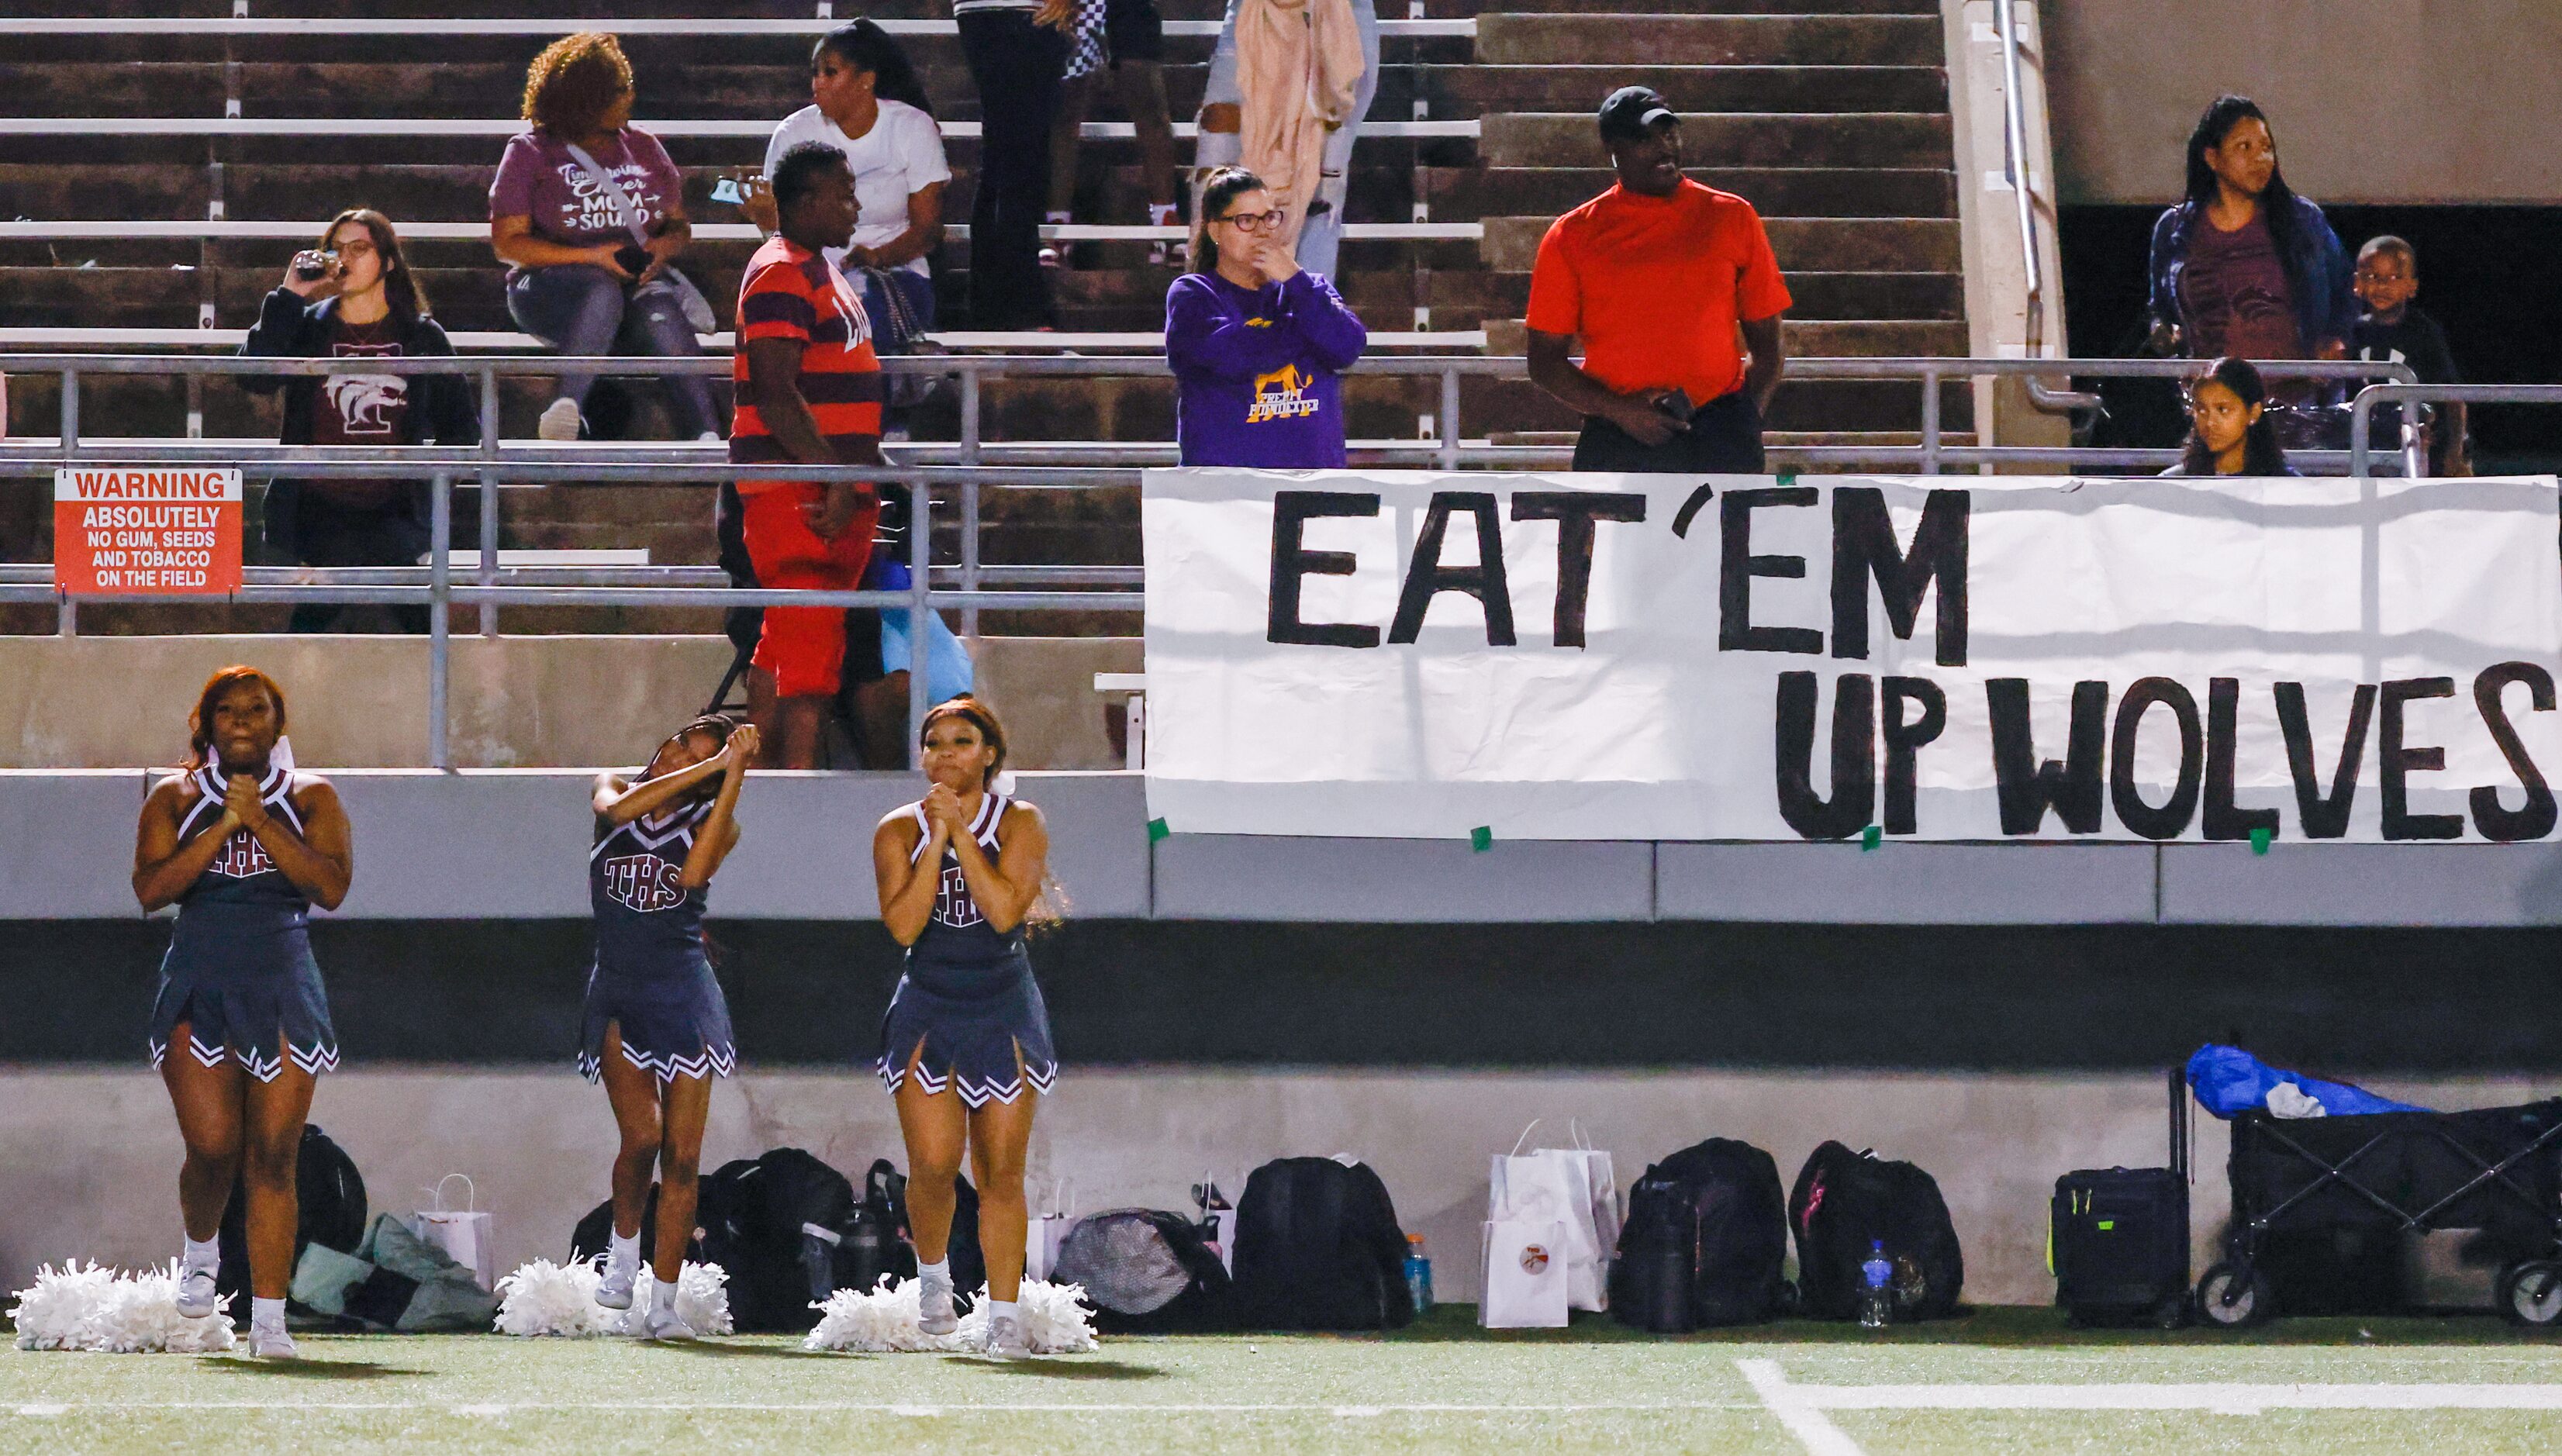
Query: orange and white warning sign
(148, 531)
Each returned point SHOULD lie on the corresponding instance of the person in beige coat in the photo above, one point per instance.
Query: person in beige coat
(1288, 86)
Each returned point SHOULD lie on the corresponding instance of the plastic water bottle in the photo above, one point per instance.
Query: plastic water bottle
(1418, 1274)
(1876, 1288)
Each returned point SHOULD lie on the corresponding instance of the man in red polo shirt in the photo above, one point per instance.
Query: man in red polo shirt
(1657, 275)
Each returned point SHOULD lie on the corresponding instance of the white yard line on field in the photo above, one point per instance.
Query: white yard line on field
(1813, 1429)
(1801, 1407)
(905, 1409)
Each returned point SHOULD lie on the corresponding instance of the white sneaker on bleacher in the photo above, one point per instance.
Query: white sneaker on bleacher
(560, 421)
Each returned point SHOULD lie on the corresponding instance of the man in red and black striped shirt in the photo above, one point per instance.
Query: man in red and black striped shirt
(809, 392)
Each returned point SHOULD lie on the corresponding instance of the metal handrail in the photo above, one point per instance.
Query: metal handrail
(2015, 166)
(2361, 409)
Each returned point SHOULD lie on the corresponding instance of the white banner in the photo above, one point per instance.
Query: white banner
(1738, 657)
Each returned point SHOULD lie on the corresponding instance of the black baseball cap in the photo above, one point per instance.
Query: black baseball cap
(1632, 109)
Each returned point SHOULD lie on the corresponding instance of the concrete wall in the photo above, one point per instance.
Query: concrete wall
(510, 843)
(2373, 101)
(89, 1159)
(99, 702)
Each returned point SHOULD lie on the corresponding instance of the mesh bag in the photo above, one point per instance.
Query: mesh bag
(1144, 1270)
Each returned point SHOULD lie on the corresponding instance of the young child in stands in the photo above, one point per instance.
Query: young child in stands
(2392, 329)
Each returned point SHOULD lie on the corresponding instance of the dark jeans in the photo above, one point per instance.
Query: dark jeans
(1018, 67)
(328, 534)
(1724, 439)
(586, 311)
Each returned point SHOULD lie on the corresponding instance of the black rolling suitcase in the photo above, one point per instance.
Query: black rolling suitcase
(2118, 1236)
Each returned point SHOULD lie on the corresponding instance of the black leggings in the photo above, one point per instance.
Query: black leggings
(1724, 439)
(1018, 67)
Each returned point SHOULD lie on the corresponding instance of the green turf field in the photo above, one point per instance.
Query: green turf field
(2000, 1379)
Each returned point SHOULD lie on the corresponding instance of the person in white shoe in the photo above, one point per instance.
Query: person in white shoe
(657, 1028)
(243, 847)
(965, 1045)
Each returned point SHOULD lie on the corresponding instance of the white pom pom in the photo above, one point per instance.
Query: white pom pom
(702, 1297)
(876, 1321)
(87, 1307)
(1055, 1319)
(543, 1298)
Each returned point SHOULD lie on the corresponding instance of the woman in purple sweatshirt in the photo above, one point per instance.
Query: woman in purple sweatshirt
(1257, 343)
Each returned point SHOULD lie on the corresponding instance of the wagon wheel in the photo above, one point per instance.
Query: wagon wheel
(2530, 1293)
(2233, 1296)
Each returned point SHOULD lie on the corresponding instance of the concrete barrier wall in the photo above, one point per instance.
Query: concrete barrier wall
(103, 702)
(2381, 101)
(511, 844)
(89, 1159)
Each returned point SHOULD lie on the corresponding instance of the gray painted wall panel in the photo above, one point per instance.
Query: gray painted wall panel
(498, 844)
(1246, 877)
(1906, 884)
(2363, 884)
(67, 843)
(1098, 840)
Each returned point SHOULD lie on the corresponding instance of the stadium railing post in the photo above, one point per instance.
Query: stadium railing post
(67, 614)
(1930, 420)
(440, 587)
(970, 498)
(488, 502)
(1450, 436)
(920, 555)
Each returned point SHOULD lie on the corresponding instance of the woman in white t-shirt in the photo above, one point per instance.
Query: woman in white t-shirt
(869, 105)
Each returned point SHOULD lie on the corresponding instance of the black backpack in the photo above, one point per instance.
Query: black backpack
(1146, 1272)
(330, 1202)
(753, 1213)
(1845, 1201)
(874, 1238)
(1318, 1247)
(1705, 1238)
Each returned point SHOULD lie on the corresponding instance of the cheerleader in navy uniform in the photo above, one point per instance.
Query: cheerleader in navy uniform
(965, 1044)
(656, 1027)
(243, 847)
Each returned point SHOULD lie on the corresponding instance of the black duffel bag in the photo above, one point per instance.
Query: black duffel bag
(1704, 1242)
(329, 1203)
(1845, 1203)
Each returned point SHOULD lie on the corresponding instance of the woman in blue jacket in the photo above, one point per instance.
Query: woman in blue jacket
(1257, 343)
(2243, 266)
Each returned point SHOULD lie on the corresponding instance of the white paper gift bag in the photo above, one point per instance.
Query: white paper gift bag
(463, 1233)
(1040, 1250)
(1589, 1282)
(1525, 1277)
(1554, 1183)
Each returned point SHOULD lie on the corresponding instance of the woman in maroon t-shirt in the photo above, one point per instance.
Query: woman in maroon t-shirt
(578, 278)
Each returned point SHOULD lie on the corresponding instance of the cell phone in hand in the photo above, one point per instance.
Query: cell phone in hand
(726, 190)
(1675, 405)
(634, 258)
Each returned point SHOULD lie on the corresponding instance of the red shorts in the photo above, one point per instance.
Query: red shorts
(804, 647)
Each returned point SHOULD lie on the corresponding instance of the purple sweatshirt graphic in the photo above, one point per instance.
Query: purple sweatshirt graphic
(1257, 371)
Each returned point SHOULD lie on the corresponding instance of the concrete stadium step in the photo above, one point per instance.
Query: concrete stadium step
(1795, 192)
(1842, 140)
(1474, 89)
(1803, 245)
(1711, 40)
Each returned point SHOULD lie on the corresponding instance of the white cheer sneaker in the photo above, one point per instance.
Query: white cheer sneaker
(196, 1296)
(1006, 1338)
(613, 1287)
(934, 1313)
(664, 1325)
(269, 1341)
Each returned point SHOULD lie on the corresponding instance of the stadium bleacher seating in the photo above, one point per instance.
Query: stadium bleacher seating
(162, 174)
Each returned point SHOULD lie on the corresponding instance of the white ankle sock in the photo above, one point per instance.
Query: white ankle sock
(663, 1294)
(938, 1272)
(1160, 214)
(1005, 1308)
(207, 1254)
(265, 1313)
(623, 1253)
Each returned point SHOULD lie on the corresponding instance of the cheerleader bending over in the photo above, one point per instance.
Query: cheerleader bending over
(243, 847)
(965, 1044)
(656, 1026)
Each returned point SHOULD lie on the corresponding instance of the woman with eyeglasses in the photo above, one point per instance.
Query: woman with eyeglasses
(1257, 343)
